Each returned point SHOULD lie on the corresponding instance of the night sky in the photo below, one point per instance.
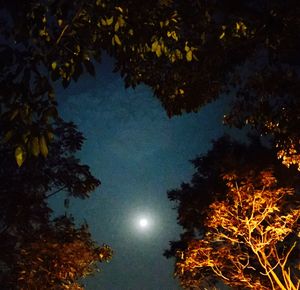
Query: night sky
(138, 153)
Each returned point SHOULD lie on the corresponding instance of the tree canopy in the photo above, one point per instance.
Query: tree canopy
(38, 252)
(245, 240)
(59, 257)
(240, 197)
(240, 218)
(188, 52)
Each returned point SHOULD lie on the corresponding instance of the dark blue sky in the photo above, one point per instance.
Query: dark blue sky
(138, 153)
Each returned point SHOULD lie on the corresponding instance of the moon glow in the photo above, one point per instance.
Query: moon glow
(143, 223)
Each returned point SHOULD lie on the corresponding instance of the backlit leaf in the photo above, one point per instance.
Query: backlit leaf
(110, 20)
(117, 26)
(20, 155)
(189, 55)
(103, 22)
(53, 65)
(117, 39)
(119, 9)
(158, 51)
(154, 46)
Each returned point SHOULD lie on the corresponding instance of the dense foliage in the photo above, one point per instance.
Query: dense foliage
(189, 52)
(30, 240)
(249, 237)
(57, 258)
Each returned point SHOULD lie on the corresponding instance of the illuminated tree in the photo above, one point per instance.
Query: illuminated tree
(249, 238)
(59, 257)
(192, 199)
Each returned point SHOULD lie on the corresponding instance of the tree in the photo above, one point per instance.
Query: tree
(245, 243)
(192, 199)
(44, 41)
(26, 228)
(188, 52)
(41, 178)
(58, 257)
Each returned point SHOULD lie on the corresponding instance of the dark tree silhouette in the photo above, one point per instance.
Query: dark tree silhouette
(187, 51)
(57, 256)
(26, 216)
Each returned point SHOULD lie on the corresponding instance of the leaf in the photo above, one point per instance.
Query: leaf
(119, 9)
(117, 26)
(117, 39)
(121, 21)
(222, 35)
(158, 51)
(174, 35)
(109, 21)
(103, 22)
(178, 54)
(154, 45)
(20, 155)
(43, 146)
(35, 147)
(189, 55)
(54, 65)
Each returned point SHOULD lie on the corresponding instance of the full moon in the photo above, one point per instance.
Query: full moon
(143, 222)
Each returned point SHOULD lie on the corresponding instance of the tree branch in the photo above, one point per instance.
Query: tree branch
(57, 191)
